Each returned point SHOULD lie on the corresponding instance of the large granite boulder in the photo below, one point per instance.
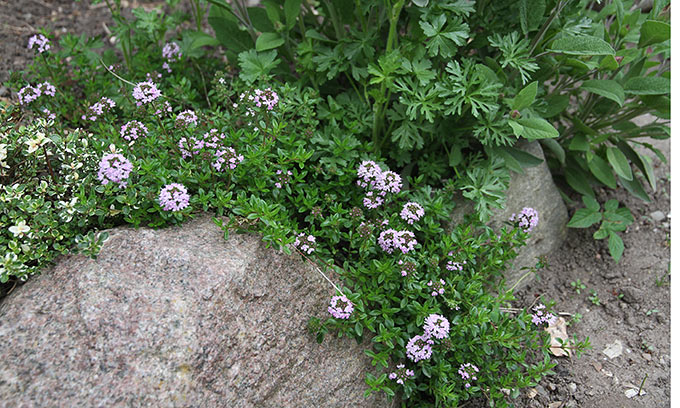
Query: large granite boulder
(534, 188)
(177, 317)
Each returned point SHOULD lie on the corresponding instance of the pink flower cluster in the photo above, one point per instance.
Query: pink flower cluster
(401, 374)
(40, 42)
(419, 348)
(171, 51)
(526, 220)
(407, 268)
(30, 93)
(391, 239)
(468, 375)
(436, 326)
(283, 178)
(104, 105)
(186, 118)
(540, 316)
(193, 145)
(267, 98)
(226, 158)
(305, 243)
(163, 108)
(48, 114)
(412, 212)
(133, 130)
(174, 197)
(114, 168)
(378, 182)
(341, 307)
(145, 92)
(453, 265)
(437, 287)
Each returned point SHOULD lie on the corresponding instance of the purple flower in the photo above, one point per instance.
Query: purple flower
(133, 130)
(391, 182)
(370, 175)
(419, 348)
(436, 326)
(145, 92)
(365, 230)
(372, 201)
(305, 243)
(186, 118)
(466, 373)
(405, 241)
(48, 114)
(407, 268)
(164, 108)
(386, 240)
(174, 197)
(114, 168)
(28, 94)
(437, 287)
(341, 307)
(412, 212)
(526, 220)
(226, 158)
(47, 88)
(453, 265)
(266, 98)
(401, 374)
(283, 178)
(104, 105)
(540, 316)
(171, 52)
(40, 42)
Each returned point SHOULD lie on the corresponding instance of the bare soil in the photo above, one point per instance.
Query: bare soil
(634, 295)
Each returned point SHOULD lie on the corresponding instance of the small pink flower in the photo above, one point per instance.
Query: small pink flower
(341, 307)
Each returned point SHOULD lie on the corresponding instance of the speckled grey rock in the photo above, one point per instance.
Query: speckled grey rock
(535, 188)
(177, 317)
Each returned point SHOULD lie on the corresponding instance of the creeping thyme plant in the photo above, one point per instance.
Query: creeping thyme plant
(344, 133)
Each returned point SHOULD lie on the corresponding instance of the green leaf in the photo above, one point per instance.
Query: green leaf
(533, 128)
(608, 88)
(525, 97)
(642, 162)
(620, 163)
(556, 104)
(584, 218)
(291, 9)
(258, 16)
(267, 41)
(652, 32)
(609, 63)
(635, 188)
(581, 45)
(615, 246)
(421, 3)
(601, 170)
(254, 65)
(579, 143)
(648, 86)
(578, 180)
(227, 30)
(525, 159)
(530, 14)
(591, 203)
(557, 149)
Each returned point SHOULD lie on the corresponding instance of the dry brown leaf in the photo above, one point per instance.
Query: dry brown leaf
(559, 331)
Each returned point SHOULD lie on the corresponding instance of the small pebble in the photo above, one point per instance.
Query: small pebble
(658, 216)
(572, 387)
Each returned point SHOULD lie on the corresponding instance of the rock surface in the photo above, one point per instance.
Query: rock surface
(535, 188)
(177, 317)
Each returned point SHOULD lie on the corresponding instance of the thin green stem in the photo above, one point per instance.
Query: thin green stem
(560, 5)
